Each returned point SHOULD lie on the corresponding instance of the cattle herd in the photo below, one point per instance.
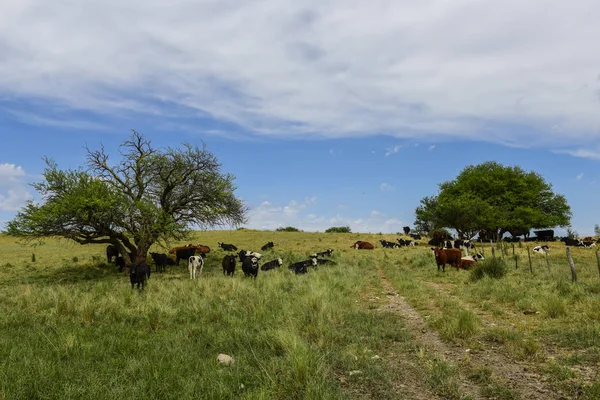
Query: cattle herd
(447, 251)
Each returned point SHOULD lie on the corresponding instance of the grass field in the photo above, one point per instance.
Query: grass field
(71, 327)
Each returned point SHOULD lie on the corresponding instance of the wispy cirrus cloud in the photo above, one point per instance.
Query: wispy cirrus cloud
(392, 150)
(328, 72)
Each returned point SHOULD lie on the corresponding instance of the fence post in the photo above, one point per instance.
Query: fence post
(547, 261)
(529, 256)
(572, 265)
(492, 245)
(516, 257)
(598, 260)
(513, 245)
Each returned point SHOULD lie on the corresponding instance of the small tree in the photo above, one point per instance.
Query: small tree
(151, 195)
(597, 230)
(338, 229)
(287, 229)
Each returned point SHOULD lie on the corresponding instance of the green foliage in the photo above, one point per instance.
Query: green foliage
(338, 229)
(493, 267)
(597, 230)
(287, 229)
(150, 195)
(493, 197)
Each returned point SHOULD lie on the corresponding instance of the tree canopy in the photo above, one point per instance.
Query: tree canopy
(494, 198)
(150, 195)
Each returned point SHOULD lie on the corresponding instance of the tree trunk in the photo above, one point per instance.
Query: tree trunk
(572, 265)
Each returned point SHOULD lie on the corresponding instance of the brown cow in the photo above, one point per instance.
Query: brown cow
(465, 263)
(446, 256)
(199, 248)
(360, 245)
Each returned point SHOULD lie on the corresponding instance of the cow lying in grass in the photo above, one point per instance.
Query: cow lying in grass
(271, 265)
(267, 246)
(301, 267)
(360, 245)
(327, 253)
(541, 249)
(227, 247)
(468, 261)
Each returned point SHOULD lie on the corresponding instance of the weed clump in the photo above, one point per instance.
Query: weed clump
(493, 267)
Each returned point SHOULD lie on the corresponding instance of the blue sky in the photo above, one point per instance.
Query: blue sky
(344, 113)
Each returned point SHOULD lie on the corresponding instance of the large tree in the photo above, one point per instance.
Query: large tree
(151, 195)
(494, 198)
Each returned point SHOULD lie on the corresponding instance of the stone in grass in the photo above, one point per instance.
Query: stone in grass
(225, 359)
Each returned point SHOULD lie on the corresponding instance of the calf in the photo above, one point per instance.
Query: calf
(111, 251)
(229, 265)
(227, 247)
(195, 263)
(138, 273)
(446, 256)
(272, 265)
(468, 261)
(267, 246)
(301, 267)
(250, 266)
(327, 253)
(360, 245)
(161, 261)
(541, 249)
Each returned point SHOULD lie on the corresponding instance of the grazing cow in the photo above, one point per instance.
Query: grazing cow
(301, 267)
(415, 236)
(138, 274)
(227, 247)
(541, 249)
(272, 265)
(545, 235)
(446, 256)
(161, 261)
(388, 245)
(195, 263)
(360, 245)
(570, 242)
(250, 266)
(327, 253)
(111, 251)
(229, 265)
(267, 246)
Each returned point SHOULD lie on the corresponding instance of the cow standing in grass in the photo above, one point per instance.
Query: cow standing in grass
(446, 256)
(138, 274)
(228, 263)
(195, 263)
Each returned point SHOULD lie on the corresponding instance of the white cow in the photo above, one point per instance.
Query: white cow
(194, 263)
(541, 249)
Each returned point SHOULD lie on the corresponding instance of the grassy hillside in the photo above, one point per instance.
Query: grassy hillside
(71, 327)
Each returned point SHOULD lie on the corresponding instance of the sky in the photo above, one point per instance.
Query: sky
(328, 113)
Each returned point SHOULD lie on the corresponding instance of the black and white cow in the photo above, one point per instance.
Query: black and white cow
(404, 242)
(415, 236)
(243, 254)
(250, 266)
(586, 244)
(541, 249)
(195, 263)
(463, 244)
(301, 267)
(272, 265)
(138, 274)
(570, 242)
(327, 253)
(388, 245)
(267, 246)
(227, 247)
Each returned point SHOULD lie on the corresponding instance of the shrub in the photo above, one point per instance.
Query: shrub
(493, 267)
(339, 229)
(288, 229)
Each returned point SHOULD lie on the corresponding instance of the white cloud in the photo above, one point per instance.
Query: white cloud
(13, 191)
(304, 216)
(386, 187)
(392, 150)
(431, 147)
(469, 69)
(580, 176)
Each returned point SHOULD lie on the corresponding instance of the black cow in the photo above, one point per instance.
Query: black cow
(570, 242)
(229, 265)
(403, 242)
(545, 235)
(436, 242)
(301, 267)
(243, 254)
(327, 253)
(459, 244)
(138, 275)
(111, 251)
(184, 254)
(250, 266)
(227, 247)
(267, 246)
(415, 236)
(161, 261)
(388, 245)
(271, 265)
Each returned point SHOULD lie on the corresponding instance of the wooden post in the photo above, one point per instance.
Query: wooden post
(572, 265)
(516, 261)
(547, 261)
(492, 245)
(598, 260)
(513, 244)
(529, 256)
